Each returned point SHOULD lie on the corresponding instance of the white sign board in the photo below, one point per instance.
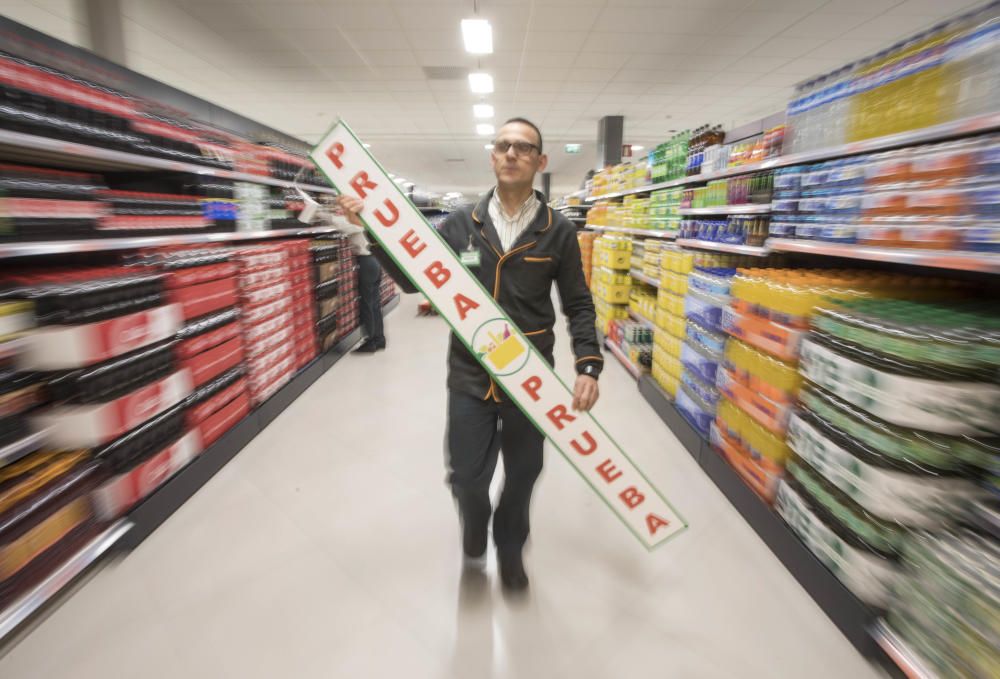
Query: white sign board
(496, 342)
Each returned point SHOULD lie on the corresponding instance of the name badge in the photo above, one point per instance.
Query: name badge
(470, 257)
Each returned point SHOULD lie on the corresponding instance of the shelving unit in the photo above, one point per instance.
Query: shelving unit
(649, 233)
(950, 130)
(57, 581)
(16, 145)
(724, 247)
(751, 209)
(648, 280)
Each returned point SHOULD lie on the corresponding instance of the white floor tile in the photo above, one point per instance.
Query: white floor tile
(330, 548)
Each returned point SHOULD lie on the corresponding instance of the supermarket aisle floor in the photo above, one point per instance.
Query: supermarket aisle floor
(329, 548)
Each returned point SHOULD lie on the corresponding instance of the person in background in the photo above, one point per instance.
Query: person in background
(517, 247)
(369, 277)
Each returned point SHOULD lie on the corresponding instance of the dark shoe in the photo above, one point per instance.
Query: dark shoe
(368, 347)
(512, 575)
(474, 538)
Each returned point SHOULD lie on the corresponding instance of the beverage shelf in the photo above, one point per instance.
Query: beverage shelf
(18, 449)
(751, 250)
(854, 619)
(631, 367)
(750, 209)
(648, 280)
(950, 130)
(908, 661)
(44, 592)
(61, 247)
(30, 147)
(942, 259)
(650, 233)
(639, 318)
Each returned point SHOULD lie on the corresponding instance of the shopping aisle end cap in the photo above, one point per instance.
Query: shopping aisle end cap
(494, 339)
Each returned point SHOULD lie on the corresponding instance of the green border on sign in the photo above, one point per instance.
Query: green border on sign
(531, 346)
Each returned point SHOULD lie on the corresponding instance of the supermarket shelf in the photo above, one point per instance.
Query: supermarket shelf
(639, 318)
(957, 128)
(18, 449)
(724, 247)
(62, 247)
(664, 407)
(631, 367)
(649, 233)
(648, 280)
(846, 611)
(19, 146)
(48, 589)
(750, 209)
(158, 507)
(909, 661)
(941, 259)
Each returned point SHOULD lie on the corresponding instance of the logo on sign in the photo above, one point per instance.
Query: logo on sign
(496, 345)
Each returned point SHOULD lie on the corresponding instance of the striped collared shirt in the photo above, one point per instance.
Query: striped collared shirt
(509, 228)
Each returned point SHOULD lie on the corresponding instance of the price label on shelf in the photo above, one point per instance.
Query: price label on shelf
(493, 339)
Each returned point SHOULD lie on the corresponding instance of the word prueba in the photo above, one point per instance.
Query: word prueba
(460, 299)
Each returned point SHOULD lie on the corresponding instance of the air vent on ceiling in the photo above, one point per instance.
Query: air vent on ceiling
(445, 72)
(454, 160)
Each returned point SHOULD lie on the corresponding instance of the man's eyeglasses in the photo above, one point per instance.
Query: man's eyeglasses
(521, 148)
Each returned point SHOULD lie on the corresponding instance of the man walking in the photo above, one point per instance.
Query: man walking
(517, 247)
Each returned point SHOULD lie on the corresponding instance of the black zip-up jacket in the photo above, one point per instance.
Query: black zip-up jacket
(521, 281)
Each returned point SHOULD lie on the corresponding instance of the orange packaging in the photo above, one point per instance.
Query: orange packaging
(761, 474)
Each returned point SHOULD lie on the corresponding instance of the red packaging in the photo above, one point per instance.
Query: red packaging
(223, 420)
(201, 412)
(270, 342)
(263, 312)
(212, 363)
(86, 426)
(123, 491)
(198, 300)
(253, 333)
(182, 278)
(264, 364)
(253, 280)
(63, 347)
(265, 295)
(196, 345)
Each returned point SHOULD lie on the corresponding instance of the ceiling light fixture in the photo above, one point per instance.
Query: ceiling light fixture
(484, 129)
(481, 83)
(367, 146)
(477, 36)
(488, 147)
(638, 147)
(482, 110)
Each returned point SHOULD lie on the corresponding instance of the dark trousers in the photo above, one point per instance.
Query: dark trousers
(369, 277)
(477, 431)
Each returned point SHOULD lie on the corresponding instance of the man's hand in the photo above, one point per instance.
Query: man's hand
(351, 205)
(585, 393)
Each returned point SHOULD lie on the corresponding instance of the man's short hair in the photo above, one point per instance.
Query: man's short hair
(525, 121)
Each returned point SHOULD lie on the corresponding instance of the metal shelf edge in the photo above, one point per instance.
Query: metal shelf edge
(50, 145)
(908, 661)
(749, 209)
(751, 250)
(18, 449)
(939, 259)
(28, 604)
(55, 247)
